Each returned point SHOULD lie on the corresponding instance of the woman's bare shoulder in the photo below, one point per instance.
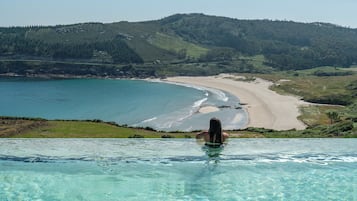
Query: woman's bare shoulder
(225, 135)
(201, 134)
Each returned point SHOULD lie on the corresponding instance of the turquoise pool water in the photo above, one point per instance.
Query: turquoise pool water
(160, 169)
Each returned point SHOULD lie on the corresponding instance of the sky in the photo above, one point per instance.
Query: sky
(54, 12)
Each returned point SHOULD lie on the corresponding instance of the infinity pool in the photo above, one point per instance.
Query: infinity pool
(161, 169)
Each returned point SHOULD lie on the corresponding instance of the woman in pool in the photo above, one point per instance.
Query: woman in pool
(214, 136)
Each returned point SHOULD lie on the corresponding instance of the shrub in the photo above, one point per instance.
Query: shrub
(339, 128)
(149, 128)
(136, 136)
(167, 136)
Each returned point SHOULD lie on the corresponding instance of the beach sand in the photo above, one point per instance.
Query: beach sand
(266, 108)
(208, 109)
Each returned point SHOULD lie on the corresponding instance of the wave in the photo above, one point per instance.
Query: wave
(193, 110)
(218, 93)
(149, 120)
(182, 84)
(173, 120)
(167, 122)
(199, 102)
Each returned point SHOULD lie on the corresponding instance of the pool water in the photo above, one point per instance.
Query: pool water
(172, 169)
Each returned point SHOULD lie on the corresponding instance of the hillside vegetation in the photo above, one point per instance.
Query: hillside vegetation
(183, 44)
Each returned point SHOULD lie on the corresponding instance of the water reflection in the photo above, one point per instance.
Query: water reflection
(213, 153)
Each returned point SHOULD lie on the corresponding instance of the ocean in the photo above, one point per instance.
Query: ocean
(139, 103)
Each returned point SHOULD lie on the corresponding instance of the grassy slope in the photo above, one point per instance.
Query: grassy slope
(176, 44)
(73, 129)
(308, 86)
(79, 129)
(257, 61)
(316, 114)
(39, 128)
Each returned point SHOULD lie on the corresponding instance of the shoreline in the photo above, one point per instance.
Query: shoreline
(265, 108)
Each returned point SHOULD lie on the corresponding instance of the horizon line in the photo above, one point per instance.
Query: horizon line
(148, 20)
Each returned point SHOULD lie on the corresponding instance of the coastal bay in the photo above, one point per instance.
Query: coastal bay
(135, 103)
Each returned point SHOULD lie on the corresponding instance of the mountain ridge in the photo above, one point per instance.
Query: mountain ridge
(185, 39)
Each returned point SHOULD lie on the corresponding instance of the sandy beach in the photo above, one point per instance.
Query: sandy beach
(266, 108)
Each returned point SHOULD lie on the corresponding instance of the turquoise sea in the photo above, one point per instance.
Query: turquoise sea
(172, 169)
(141, 103)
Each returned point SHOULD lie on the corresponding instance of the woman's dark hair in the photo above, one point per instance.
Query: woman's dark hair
(215, 131)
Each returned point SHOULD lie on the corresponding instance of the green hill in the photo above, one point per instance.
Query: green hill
(285, 44)
(182, 44)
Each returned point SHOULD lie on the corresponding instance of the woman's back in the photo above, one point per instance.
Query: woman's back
(214, 136)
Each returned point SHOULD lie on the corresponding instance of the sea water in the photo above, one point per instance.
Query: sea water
(138, 103)
(159, 169)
